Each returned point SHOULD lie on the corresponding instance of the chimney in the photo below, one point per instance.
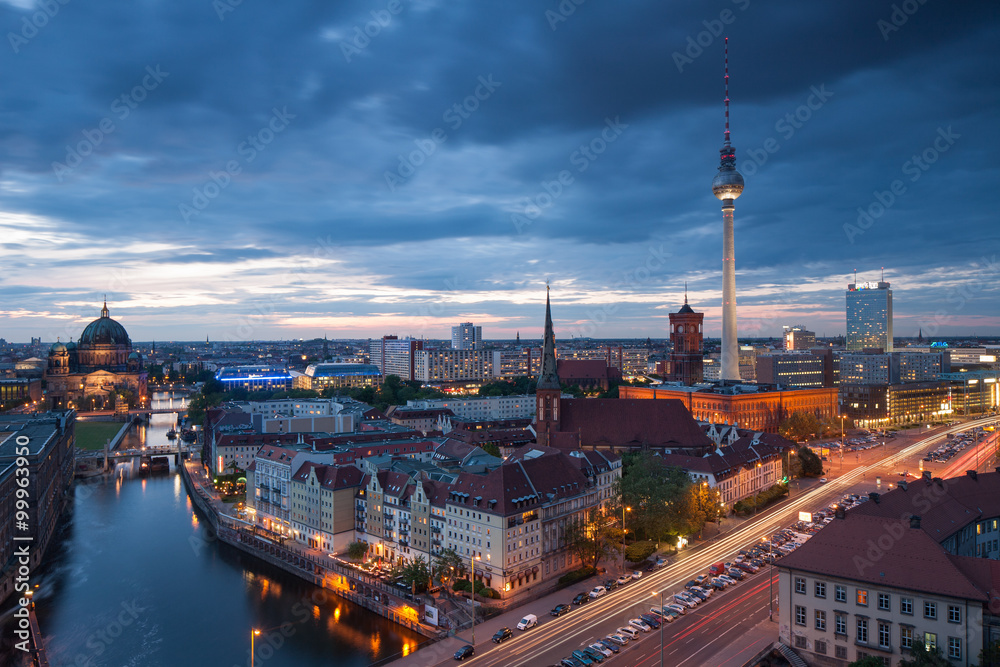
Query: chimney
(914, 521)
(927, 475)
(971, 473)
(840, 513)
(903, 485)
(873, 497)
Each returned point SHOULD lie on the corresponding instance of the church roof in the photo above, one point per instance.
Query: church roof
(105, 331)
(630, 422)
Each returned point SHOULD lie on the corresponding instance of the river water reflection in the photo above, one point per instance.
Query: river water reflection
(133, 580)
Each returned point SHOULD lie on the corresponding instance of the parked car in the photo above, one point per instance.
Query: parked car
(529, 621)
(685, 601)
(602, 649)
(735, 573)
(660, 562)
(697, 595)
(636, 574)
(597, 592)
(622, 580)
(651, 620)
(610, 644)
(690, 584)
(718, 584)
(678, 609)
(703, 590)
(700, 578)
(583, 658)
(596, 656)
(729, 580)
(640, 624)
(581, 598)
(570, 661)
(611, 584)
(822, 480)
(503, 634)
(560, 609)
(618, 638)
(629, 632)
(466, 651)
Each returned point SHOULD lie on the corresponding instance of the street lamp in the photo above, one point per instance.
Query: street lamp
(472, 588)
(254, 633)
(624, 508)
(770, 579)
(663, 621)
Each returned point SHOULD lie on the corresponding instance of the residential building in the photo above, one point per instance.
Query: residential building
(879, 579)
(466, 336)
(520, 362)
(268, 488)
(865, 368)
(869, 316)
(395, 356)
(321, 504)
(481, 408)
(798, 338)
(451, 366)
(737, 471)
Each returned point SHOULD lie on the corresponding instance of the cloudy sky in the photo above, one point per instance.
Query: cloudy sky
(251, 170)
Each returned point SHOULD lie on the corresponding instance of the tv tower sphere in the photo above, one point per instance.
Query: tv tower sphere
(727, 184)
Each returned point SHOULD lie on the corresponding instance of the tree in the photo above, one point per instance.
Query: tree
(357, 550)
(416, 573)
(448, 563)
(812, 465)
(921, 656)
(703, 505)
(591, 539)
(800, 425)
(657, 495)
(513, 387)
(990, 656)
(870, 661)
(492, 449)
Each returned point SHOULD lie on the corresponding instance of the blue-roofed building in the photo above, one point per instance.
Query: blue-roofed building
(338, 375)
(255, 378)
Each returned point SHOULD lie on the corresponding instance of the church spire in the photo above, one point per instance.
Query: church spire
(104, 310)
(548, 378)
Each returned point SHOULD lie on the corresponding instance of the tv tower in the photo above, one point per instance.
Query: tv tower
(727, 186)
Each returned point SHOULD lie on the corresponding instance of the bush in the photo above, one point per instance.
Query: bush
(577, 575)
(639, 551)
(761, 499)
(460, 585)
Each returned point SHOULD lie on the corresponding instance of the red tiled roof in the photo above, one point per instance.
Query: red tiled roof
(945, 506)
(631, 422)
(330, 477)
(582, 369)
(883, 552)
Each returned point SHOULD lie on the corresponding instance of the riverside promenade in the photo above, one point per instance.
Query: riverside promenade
(317, 567)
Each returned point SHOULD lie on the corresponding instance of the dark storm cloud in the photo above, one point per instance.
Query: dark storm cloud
(497, 100)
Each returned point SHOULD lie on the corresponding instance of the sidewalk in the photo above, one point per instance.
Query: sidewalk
(746, 646)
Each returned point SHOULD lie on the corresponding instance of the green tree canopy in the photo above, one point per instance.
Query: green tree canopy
(811, 464)
(593, 538)
(921, 656)
(657, 495)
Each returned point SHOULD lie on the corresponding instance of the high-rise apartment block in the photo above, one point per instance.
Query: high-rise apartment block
(466, 336)
(395, 356)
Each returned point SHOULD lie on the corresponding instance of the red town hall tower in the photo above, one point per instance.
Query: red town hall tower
(686, 361)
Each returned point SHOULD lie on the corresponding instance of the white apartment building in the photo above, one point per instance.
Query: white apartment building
(481, 409)
(453, 365)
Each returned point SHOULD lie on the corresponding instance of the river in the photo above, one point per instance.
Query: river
(133, 580)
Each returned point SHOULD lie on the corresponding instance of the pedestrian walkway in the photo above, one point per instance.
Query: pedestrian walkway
(742, 649)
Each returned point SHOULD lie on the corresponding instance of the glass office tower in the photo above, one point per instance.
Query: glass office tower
(869, 316)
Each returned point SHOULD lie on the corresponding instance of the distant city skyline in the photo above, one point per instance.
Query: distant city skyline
(442, 170)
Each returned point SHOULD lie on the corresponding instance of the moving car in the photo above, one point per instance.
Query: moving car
(502, 634)
(529, 621)
(466, 651)
(560, 609)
